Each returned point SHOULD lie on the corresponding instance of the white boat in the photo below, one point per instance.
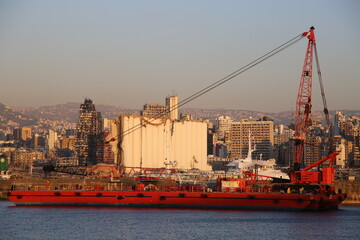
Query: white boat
(261, 167)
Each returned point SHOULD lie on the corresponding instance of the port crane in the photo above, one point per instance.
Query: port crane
(303, 110)
(303, 102)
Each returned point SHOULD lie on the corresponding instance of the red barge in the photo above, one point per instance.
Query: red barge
(307, 191)
(179, 198)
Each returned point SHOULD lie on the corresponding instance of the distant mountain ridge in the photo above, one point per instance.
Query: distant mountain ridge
(10, 117)
(69, 112)
(286, 117)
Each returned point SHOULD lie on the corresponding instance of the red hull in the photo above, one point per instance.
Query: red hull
(158, 199)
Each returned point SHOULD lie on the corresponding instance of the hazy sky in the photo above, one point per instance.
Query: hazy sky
(134, 52)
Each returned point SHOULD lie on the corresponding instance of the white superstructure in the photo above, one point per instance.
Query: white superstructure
(263, 167)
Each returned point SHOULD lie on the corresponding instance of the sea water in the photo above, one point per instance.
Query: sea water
(141, 223)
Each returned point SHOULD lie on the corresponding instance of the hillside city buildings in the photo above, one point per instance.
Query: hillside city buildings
(160, 138)
(347, 138)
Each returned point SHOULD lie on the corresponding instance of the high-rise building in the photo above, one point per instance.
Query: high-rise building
(356, 157)
(106, 124)
(36, 140)
(262, 136)
(88, 133)
(186, 117)
(223, 125)
(312, 150)
(283, 146)
(220, 150)
(154, 110)
(340, 147)
(25, 157)
(25, 133)
(67, 142)
(16, 134)
(172, 106)
(339, 123)
(104, 151)
(170, 110)
(51, 139)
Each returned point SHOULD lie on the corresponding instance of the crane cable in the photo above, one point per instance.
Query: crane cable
(326, 111)
(217, 83)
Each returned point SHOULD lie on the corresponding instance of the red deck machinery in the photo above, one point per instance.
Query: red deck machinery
(325, 176)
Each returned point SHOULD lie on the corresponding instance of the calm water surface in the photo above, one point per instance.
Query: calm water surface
(130, 223)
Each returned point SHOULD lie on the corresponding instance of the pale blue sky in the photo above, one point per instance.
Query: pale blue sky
(134, 52)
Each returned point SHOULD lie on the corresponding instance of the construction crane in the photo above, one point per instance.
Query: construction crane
(304, 103)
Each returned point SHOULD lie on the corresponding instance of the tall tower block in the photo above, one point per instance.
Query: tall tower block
(172, 105)
(88, 129)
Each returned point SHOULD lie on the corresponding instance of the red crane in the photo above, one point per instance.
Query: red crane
(303, 101)
(303, 110)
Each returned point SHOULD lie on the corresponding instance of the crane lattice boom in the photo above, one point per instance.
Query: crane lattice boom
(303, 101)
